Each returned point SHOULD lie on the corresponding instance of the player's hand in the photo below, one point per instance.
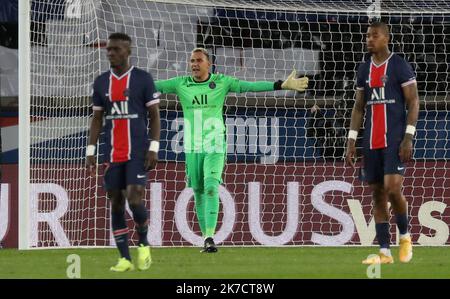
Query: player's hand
(151, 158)
(405, 151)
(91, 165)
(293, 83)
(350, 154)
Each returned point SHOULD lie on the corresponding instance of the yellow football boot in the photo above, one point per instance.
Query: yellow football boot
(144, 257)
(378, 259)
(123, 265)
(405, 252)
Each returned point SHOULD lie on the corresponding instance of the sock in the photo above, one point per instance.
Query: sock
(402, 223)
(407, 235)
(385, 251)
(120, 232)
(199, 198)
(140, 217)
(211, 196)
(383, 235)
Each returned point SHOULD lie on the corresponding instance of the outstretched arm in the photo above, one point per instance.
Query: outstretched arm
(239, 86)
(167, 86)
(291, 83)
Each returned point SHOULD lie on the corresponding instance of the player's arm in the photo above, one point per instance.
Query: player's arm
(291, 83)
(94, 133)
(355, 124)
(95, 128)
(407, 79)
(155, 129)
(152, 103)
(167, 86)
(411, 96)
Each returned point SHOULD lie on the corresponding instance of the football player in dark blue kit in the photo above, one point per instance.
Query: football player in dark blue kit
(387, 94)
(125, 96)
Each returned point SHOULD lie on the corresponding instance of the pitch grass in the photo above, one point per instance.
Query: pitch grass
(229, 262)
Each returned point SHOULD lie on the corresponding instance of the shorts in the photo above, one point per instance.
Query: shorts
(380, 162)
(200, 166)
(120, 175)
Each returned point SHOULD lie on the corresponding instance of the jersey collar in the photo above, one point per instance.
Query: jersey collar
(380, 64)
(209, 77)
(123, 75)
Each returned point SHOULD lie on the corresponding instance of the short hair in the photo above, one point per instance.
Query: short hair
(202, 50)
(381, 25)
(120, 36)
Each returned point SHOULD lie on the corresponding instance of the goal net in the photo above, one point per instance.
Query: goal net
(285, 182)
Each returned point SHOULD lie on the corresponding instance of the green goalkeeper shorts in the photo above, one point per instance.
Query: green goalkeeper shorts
(200, 166)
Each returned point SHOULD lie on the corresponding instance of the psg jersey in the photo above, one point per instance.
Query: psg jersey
(125, 100)
(385, 118)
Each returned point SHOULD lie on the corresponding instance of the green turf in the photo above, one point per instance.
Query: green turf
(237, 262)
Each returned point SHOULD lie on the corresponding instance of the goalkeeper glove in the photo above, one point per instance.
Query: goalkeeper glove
(292, 83)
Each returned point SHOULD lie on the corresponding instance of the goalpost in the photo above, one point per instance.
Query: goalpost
(285, 182)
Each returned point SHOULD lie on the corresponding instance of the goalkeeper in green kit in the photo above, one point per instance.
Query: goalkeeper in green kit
(202, 97)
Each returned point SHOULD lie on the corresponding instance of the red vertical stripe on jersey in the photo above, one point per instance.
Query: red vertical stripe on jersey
(120, 128)
(376, 73)
(378, 132)
(378, 126)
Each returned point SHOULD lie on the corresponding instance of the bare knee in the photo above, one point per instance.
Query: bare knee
(135, 194)
(393, 192)
(378, 195)
(380, 211)
(117, 201)
(393, 188)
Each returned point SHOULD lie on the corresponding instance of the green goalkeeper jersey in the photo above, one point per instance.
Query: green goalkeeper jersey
(202, 104)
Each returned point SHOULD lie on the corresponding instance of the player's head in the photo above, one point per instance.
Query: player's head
(118, 49)
(377, 37)
(199, 63)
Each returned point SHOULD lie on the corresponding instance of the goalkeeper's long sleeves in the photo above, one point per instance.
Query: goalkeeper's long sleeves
(239, 86)
(291, 83)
